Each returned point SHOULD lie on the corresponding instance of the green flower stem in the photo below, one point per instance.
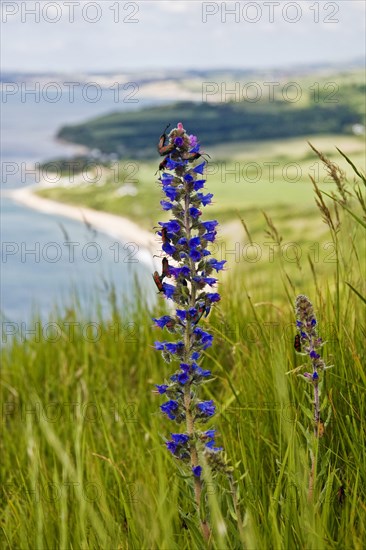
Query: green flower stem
(316, 437)
(316, 408)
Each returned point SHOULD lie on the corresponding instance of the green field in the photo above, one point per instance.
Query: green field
(83, 457)
(244, 177)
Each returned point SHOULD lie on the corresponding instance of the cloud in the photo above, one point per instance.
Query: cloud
(359, 5)
(173, 6)
(171, 34)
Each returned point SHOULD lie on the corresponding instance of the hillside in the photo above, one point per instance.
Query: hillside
(132, 133)
(328, 106)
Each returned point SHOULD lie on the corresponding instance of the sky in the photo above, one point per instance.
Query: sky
(86, 36)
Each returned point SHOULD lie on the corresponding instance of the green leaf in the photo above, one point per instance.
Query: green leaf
(356, 292)
(345, 207)
(360, 175)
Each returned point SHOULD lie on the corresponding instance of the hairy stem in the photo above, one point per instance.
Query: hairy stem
(187, 390)
(316, 435)
(316, 408)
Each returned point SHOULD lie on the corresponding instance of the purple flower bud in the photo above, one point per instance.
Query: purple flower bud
(204, 338)
(205, 199)
(194, 212)
(194, 242)
(207, 408)
(171, 192)
(169, 249)
(181, 439)
(172, 164)
(171, 347)
(198, 184)
(211, 445)
(162, 388)
(195, 255)
(197, 471)
(193, 140)
(166, 205)
(214, 449)
(185, 367)
(188, 178)
(203, 372)
(169, 407)
(213, 297)
(159, 345)
(163, 321)
(200, 168)
(210, 225)
(168, 290)
(181, 314)
(185, 271)
(182, 378)
(205, 280)
(166, 178)
(218, 265)
(171, 446)
(172, 226)
(209, 433)
(178, 141)
(210, 236)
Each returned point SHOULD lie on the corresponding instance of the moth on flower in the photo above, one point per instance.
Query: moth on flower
(297, 343)
(180, 147)
(158, 281)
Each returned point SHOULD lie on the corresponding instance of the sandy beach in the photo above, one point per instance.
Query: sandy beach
(117, 227)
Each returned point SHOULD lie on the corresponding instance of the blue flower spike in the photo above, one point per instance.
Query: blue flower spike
(191, 268)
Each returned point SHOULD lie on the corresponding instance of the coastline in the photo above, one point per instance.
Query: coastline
(114, 226)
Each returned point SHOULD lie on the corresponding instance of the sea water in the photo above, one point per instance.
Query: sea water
(40, 268)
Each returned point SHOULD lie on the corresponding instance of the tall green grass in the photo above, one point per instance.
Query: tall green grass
(83, 459)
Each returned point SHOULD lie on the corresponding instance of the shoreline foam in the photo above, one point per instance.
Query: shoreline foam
(114, 226)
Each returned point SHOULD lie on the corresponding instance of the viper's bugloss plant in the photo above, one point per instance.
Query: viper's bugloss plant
(190, 270)
(310, 343)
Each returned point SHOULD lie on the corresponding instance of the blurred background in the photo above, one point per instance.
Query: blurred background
(88, 87)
